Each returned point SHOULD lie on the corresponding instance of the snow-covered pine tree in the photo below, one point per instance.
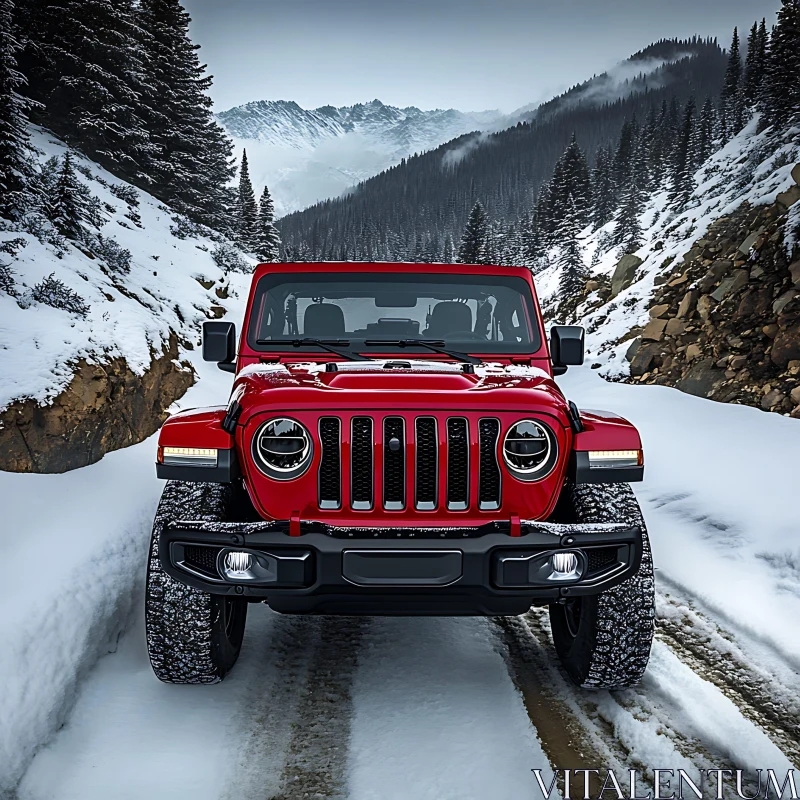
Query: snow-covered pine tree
(573, 271)
(603, 191)
(67, 207)
(246, 210)
(624, 155)
(85, 65)
(705, 132)
(475, 239)
(755, 63)
(268, 245)
(449, 251)
(628, 232)
(570, 187)
(193, 166)
(732, 101)
(781, 96)
(684, 166)
(14, 146)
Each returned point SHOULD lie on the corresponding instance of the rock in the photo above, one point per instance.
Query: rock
(701, 378)
(723, 289)
(786, 346)
(793, 367)
(716, 271)
(737, 362)
(784, 301)
(687, 305)
(640, 364)
(795, 395)
(796, 173)
(654, 330)
(788, 198)
(704, 306)
(794, 271)
(740, 279)
(747, 245)
(659, 245)
(770, 330)
(796, 413)
(659, 311)
(679, 280)
(674, 327)
(592, 286)
(633, 348)
(624, 273)
(772, 399)
(693, 351)
(755, 302)
(217, 312)
(104, 408)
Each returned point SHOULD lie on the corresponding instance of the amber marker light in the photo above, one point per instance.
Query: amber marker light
(188, 456)
(605, 459)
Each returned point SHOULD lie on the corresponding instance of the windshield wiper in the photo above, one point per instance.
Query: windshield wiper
(436, 345)
(331, 345)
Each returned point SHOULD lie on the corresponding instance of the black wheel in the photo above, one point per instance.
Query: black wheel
(192, 636)
(604, 641)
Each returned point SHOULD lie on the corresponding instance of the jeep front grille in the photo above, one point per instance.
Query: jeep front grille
(403, 462)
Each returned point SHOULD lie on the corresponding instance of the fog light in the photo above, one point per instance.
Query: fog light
(565, 566)
(238, 565)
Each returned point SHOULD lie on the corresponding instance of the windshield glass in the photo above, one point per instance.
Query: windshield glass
(477, 313)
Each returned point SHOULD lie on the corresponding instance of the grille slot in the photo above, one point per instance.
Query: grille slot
(457, 464)
(601, 558)
(394, 464)
(201, 559)
(427, 472)
(489, 474)
(361, 464)
(330, 465)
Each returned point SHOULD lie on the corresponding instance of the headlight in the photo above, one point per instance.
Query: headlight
(530, 450)
(282, 449)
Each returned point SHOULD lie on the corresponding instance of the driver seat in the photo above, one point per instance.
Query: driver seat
(447, 317)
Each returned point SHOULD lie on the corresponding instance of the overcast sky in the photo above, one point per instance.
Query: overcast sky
(466, 54)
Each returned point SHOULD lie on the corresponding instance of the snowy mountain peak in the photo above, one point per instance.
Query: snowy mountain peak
(307, 155)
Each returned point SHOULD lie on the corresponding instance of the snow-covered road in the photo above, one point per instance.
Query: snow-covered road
(411, 708)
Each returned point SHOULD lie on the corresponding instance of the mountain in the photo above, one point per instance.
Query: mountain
(432, 194)
(309, 155)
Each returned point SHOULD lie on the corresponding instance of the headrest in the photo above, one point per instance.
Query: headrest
(323, 320)
(448, 317)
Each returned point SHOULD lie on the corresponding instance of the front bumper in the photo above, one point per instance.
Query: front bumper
(333, 570)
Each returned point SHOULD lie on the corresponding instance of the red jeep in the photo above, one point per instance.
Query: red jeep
(395, 443)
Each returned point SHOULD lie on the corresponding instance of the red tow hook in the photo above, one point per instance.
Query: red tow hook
(516, 527)
(294, 524)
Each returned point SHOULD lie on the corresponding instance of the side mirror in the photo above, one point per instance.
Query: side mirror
(219, 344)
(566, 347)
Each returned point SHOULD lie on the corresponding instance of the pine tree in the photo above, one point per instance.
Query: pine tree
(448, 254)
(573, 270)
(475, 240)
(623, 158)
(628, 231)
(14, 145)
(570, 188)
(781, 101)
(754, 65)
(268, 244)
(685, 159)
(246, 210)
(603, 188)
(703, 144)
(85, 65)
(732, 98)
(193, 166)
(67, 209)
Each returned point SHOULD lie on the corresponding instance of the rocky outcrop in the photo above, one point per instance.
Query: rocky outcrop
(105, 407)
(725, 323)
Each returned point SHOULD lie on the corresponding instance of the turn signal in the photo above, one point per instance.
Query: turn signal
(188, 456)
(603, 459)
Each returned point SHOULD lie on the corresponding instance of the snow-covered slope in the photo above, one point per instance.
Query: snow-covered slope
(131, 312)
(309, 155)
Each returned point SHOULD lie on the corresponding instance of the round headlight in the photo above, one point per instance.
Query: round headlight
(282, 449)
(530, 450)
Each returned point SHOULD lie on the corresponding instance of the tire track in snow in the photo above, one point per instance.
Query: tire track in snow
(640, 728)
(316, 756)
(769, 700)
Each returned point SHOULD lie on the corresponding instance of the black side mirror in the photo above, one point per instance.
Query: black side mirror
(219, 344)
(566, 347)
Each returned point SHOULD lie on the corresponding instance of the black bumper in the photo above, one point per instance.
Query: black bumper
(478, 571)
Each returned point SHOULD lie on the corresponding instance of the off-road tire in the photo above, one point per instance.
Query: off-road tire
(604, 640)
(192, 636)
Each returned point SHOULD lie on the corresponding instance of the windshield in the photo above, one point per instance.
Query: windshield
(478, 313)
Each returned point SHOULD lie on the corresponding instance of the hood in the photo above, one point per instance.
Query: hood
(398, 382)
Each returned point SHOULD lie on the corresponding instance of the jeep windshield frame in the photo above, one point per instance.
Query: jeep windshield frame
(472, 313)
